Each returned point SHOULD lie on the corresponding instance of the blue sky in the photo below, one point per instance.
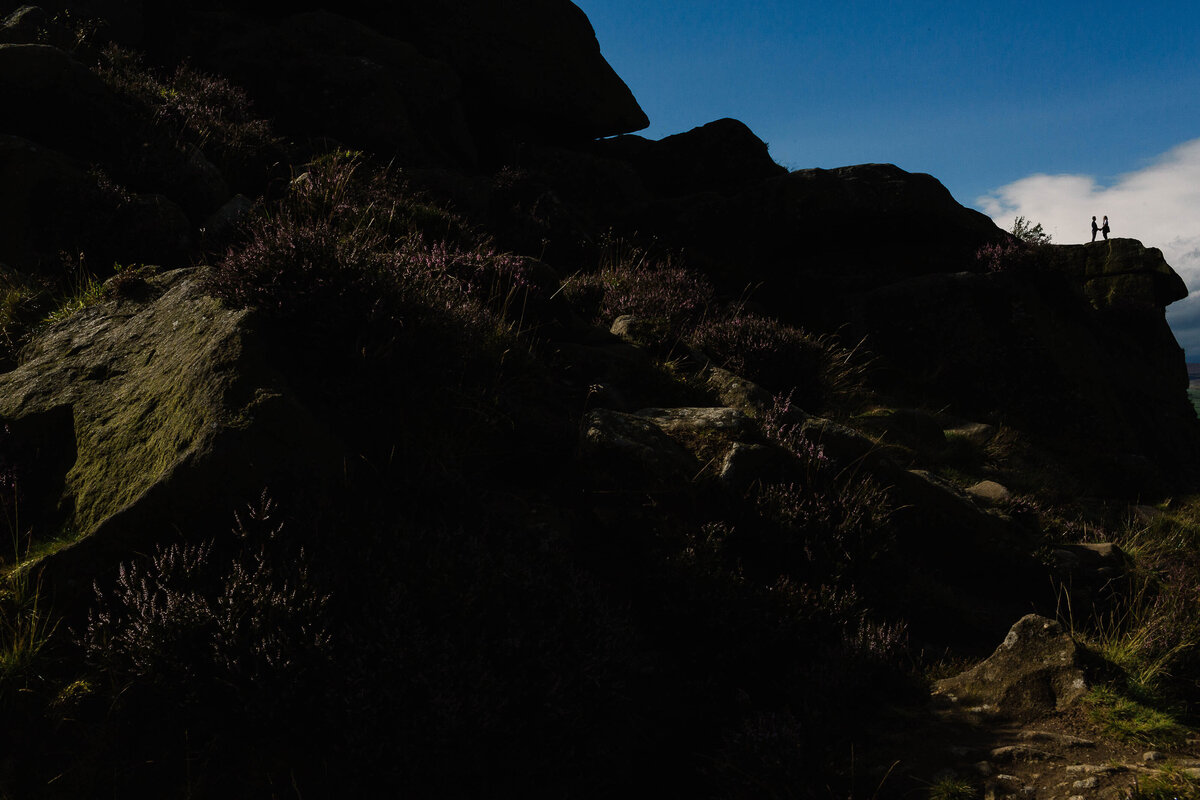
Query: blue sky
(1057, 110)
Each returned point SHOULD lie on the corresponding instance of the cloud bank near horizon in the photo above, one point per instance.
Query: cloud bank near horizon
(1158, 205)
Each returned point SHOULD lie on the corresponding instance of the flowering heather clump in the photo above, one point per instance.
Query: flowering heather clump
(832, 516)
(761, 349)
(666, 293)
(451, 273)
(1007, 256)
(349, 241)
(181, 621)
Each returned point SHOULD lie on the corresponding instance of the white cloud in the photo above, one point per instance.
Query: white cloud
(1159, 205)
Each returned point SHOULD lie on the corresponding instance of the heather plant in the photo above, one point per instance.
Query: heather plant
(630, 281)
(1016, 253)
(185, 618)
(828, 518)
(821, 371)
(350, 247)
(190, 106)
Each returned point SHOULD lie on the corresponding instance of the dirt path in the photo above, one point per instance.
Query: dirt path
(1059, 757)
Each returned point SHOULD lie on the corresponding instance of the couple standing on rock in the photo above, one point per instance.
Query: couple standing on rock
(1102, 228)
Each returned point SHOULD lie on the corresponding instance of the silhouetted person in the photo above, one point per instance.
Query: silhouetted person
(1095, 228)
(1104, 228)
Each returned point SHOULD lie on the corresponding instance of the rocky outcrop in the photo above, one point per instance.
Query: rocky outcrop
(723, 156)
(324, 73)
(662, 447)
(515, 73)
(532, 71)
(816, 238)
(1035, 671)
(1119, 274)
(139, 416)
(1101, 378)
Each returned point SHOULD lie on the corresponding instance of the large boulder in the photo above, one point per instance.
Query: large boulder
(1119, 274)
(530, 71)
(325, 74)
(1035, 671)
(154, 413)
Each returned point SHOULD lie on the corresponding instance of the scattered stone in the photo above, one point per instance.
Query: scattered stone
(1100, 561)
(746, 463)
(1192, 772)
(989, 492)
(675, 421)
(1020, 752)
(638, 331)
(977, 433)
(735, 391)
(1152, 755)
(635, 447)
(1094, 769)
(1086, 783)
(1063, 739)
(1035, 670)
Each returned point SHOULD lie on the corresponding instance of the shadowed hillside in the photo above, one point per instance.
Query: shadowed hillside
(378, 410)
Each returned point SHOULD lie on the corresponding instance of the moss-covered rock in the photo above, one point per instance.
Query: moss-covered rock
(171, 412)
(1035, 671)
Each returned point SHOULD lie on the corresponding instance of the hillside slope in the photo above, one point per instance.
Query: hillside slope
(366, 419)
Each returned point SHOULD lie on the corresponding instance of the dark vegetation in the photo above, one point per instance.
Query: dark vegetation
(479, 607)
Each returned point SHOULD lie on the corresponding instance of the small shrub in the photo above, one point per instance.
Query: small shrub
(1017, 253)
(827, 517)
(183, 622)
(1029, 232)
(630, 282)
(820, 370)
(1009, 255)
(761, 349)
